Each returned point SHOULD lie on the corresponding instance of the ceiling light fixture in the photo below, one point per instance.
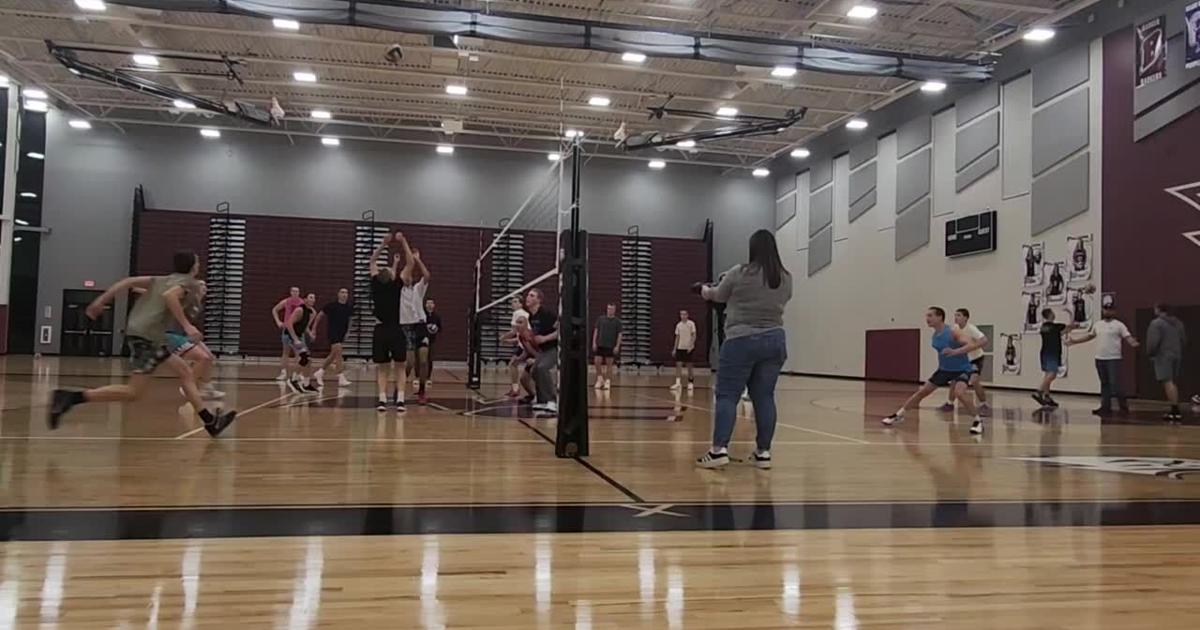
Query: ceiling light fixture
(657, 165)
(35, 93)
(210, 133)
(761, 172)
(727, 112)
(91, 5)
(685, 144)
(285, 24)
(783, 72)
(933, 87)
(801, 153)
(857, 124)
(599, 101)
(304, 76)
(79, 123)
(445, 149)
(321, 114)
(330, 141)
(146, 61)
(180, 103)
(862, 12)
(554, 157)
(573, 133)
(1040, 34)
(3, 81)
(633, 57)
(37, 106)
(456, 89)
(29, 195)
(35, 155)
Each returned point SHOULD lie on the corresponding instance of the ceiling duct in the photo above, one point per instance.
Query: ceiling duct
(534, 30)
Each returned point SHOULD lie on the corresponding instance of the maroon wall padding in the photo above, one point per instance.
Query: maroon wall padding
(281, 252)
(541, 254)
(3, 329)
(894, 355)
(676, 264)
(1145, 257)
(604, 276)
(164, 232)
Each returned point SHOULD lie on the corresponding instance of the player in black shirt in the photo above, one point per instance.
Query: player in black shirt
(387, 341)
(433, 326)
(336, 316)
(297, 329)
(1051, 357)
(544, 323)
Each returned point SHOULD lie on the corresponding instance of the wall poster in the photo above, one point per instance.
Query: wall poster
(1082, 306)
(1012, 353)
(1191, 27)
(1151, 51)
(1033, 254)
(1056, 284)
(1032, 300)
(1082, 252)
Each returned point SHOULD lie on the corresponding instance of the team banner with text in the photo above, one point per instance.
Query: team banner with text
(1151, 50)
(1191, 27)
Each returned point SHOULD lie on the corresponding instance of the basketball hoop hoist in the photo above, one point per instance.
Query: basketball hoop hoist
(743, 126)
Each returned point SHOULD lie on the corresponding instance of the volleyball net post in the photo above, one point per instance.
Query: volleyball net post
(571, 439)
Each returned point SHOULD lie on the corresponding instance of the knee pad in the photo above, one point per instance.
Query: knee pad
(304, 360)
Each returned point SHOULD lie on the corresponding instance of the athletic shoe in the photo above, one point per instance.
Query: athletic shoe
(417, 383)
(760, 460)
(60, 402)
(1050, 401)
(399, 406)
(283, 376)
(423, 398)
(977, 427)
(1196, 400)
(527, 400)
(946, 407)
(712, 460)
(599, 384)
(549, 408)
(1173, 416)
(343, 381)
(295, 386)
(220, 423)
(382, 405)
(607, 384)
(311, 389)
(892, 420)
(319, 375)
(1041, 400)
(677, 385)
(1102, 411)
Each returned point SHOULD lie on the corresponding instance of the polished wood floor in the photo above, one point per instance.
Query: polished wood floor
(321, 512)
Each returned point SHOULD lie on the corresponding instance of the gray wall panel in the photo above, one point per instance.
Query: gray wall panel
(970, 143)
(1016, 142)
(863, 151)
(785, 185)
(976, 171)
(860, 207)
(913, 135)
(1061, 194)
(912, 229)
(1167, 113)
(820, 173)
(912, 179)
(863, 181)
(820, 210)
(1176, 79)
(1060, 73)
(977, 103)
(820, 251)
(1060, 130)
(785, 209)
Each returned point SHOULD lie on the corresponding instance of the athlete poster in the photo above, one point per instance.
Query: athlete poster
(1151, 51)
(1191, 29)
(1081, 251)
(1056, 283)
(1032, 255)
(1080, 302)
(1032, 303)
(1011, 345)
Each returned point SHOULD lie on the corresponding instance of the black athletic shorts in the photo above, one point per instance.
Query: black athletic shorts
(978, 363)
(683, 356)
(415, 335)
(942, 378)
(337, 338)
(604, 353)
(388, 344)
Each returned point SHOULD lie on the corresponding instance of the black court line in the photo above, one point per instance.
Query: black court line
(633, 496)
(150, 524)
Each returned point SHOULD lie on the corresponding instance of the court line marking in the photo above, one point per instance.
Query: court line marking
(633, 496)
(102, 438)
(241, 414)
(742, 416)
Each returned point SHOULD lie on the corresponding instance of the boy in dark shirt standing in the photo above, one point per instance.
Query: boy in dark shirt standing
(337, 324)
(1051, 357)
(606, 345)
(544, 324)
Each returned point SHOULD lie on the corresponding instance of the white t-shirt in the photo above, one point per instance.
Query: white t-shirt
(518, 314)
(685, 333)
(1109, 335)
(974, 333)
(412, 303)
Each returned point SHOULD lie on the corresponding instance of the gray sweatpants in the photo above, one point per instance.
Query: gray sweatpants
(543, 376)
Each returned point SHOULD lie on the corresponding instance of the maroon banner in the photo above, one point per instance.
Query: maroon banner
(1151, 51)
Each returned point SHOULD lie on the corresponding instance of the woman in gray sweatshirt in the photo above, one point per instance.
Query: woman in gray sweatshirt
(755, 347)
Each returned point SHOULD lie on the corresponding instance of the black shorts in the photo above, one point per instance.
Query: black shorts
(942, 378)
(978, 363)
(604, 353)
(415, 335)
(388, 344)
(336, 338)
(683, 356)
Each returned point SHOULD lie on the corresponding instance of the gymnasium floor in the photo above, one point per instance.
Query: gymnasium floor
(320, 512)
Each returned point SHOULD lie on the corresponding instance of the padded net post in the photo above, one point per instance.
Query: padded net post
(571, 439)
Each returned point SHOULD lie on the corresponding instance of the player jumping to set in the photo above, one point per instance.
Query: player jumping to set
(387, 340)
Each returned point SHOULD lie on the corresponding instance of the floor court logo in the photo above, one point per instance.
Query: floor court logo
(1170, 467)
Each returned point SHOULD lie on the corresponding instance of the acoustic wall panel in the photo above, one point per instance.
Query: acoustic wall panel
(912, 229)
(1061, 193)
(862, 187)
(1016, 144)
(863, 152)
(820, 251)
(977, 103)
(912, 135)
(1060, 130)
(785, 209)
(820, 174)
(860, 207)
(1060, 73)
(785, 185)
(971, 143)
(912, 180)
(977, 171)
(820, 210)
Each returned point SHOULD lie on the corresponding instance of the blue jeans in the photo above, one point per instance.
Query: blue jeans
(1110, 382)
(749, 363)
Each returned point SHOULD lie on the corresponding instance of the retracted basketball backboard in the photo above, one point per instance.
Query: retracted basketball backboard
(975, 234)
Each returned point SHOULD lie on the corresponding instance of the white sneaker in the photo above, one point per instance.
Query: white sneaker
(746, 396)
(343, 381)
(550, 408)
(977, 427)
(712, 460)
(599, 384)
(319, 375)
(211, 393)
(283, 375)
(893, 419)
(760, 460)
(607, 384)
(677, 385)
(691, 387)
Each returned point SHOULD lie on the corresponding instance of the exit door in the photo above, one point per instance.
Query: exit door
(80, 336)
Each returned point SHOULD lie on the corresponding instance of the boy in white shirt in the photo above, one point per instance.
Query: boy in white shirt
(685, 344)
(1109, 333)
(962, 321)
